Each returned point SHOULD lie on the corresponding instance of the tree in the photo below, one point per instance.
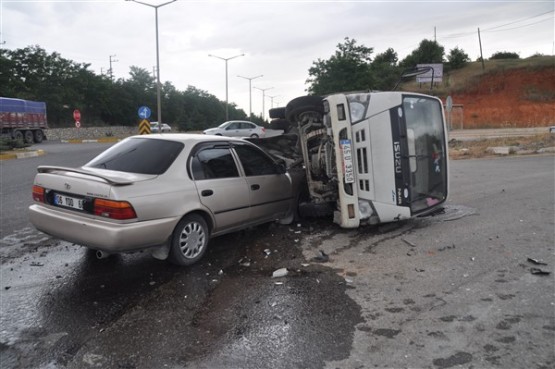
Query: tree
(348, 69)
(427, 52)
(384, 70)
(504, 55)
(457, 58)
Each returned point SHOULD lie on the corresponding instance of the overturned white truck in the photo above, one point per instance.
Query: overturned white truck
(369, 157)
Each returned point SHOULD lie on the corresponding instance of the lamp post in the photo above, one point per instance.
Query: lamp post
(272, 100)
(158, 98)
(250, 90)
(226, 89)
(263, 98)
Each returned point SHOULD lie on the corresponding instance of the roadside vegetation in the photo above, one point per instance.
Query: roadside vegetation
(519, 145)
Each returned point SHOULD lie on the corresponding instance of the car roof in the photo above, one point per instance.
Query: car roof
(188, 138)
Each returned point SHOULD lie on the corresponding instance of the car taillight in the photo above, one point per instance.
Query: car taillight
(263, 129)
(38, 193)
(114, 209)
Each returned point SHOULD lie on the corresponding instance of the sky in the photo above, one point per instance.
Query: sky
(281, 39)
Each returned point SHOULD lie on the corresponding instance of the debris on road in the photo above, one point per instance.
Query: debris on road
(280, 273)
(36, 264)
(536, 261)
(408, 242)
(322, 257)
(538, 271)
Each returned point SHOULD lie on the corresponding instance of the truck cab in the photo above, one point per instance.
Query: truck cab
(372, 157)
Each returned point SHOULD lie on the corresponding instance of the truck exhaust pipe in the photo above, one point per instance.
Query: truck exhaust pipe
(102, 254)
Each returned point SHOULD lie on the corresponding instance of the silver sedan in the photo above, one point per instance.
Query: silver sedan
(169, 193)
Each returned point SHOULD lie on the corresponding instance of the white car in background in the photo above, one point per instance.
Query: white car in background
(237, 128)
(155, 127)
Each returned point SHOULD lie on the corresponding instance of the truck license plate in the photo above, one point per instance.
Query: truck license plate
(68, 202)
(347, 161)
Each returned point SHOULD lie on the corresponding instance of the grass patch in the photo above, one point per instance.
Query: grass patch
(479, 148)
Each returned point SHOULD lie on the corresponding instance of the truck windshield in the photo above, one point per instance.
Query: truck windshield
(426, 152)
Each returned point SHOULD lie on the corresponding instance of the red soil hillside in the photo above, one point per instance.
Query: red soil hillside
(509, 93)
(511, 98)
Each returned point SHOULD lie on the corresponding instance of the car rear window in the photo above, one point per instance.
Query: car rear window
(139, 155)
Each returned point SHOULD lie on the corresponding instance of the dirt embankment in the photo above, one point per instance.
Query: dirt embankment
(522, 97)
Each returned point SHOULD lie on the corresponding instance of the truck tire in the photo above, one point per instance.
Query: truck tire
(39, 136)
(280, 124)
(29, 138)
(303, 104)
(18, 136)
(277, 113)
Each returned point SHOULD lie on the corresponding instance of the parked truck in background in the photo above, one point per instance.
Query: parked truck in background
(23, 119)
(369, 157)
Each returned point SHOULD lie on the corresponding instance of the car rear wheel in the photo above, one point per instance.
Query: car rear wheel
(254, 135)
(189, 240)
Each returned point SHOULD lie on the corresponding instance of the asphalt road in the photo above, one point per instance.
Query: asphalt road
(454, 290)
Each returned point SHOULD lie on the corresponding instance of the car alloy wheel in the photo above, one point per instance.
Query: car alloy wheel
(189, 240)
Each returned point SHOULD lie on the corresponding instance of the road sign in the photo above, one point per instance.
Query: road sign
(144, 112)
(77, 124)
(77, 115)
(449, 103)
(144, 127)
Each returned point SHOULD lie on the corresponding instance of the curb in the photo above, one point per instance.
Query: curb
(100, 140)
(22, 155)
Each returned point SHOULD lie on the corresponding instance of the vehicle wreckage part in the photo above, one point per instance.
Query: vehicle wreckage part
(102, 254)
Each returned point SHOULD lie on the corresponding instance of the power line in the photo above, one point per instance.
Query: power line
(517, 21)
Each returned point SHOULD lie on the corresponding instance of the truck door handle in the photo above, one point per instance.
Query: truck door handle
(255, 187)
(207, 193)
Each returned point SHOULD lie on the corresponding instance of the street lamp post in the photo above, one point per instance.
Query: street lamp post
(158, 98)
(226, 88)
(272, 100)
(250, 90)
(263, 98)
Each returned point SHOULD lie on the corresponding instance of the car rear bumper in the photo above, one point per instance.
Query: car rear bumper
(101, 235)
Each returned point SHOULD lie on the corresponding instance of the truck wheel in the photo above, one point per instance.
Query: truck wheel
(29, 137)
(189, 240)
(277, 113)
(280, 124)
(303, 104)
(18, 136)
(39, 136)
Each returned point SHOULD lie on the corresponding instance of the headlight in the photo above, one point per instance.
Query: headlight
(358, 104)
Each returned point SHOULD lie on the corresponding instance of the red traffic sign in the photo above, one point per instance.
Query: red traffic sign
(77, 115)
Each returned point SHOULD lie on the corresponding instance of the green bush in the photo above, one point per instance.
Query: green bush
(7, 144)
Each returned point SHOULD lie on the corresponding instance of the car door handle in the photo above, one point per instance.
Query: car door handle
(255, 187)
(207, 193)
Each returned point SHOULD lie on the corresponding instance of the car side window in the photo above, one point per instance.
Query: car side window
(233, 126)
(255, 162)
(245, 126)
(214, 163)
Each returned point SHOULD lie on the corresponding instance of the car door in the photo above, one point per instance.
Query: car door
(220, 186)
(247, 129)
(233, 130)
(270, 187)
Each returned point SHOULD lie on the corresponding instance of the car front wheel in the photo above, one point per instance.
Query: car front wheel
(189, 240)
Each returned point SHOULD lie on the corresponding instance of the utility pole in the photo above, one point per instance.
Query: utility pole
(111, 71)
(481, 54)
(263, 98)
(250, 90)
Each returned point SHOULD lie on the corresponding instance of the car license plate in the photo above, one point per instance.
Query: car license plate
(68, 202)
(348, 169)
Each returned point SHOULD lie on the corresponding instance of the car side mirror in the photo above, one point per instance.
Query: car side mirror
(281, 169)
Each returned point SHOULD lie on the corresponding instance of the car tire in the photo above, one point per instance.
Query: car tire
(39, 136)
(189, 240)
(303, 104)
(280, 124)
(254, 135)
